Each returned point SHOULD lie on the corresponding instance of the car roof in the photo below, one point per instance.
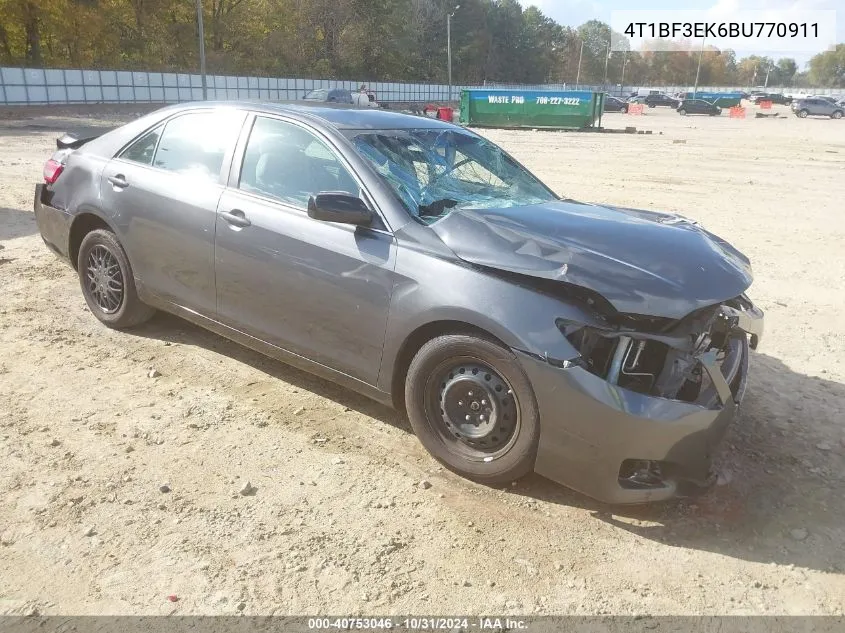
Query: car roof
(339, 116)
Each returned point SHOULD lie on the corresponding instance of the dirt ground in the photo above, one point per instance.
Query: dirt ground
(339, 523)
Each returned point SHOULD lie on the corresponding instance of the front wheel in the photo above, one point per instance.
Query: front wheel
(682, 112)
(107, 281)
(803, 114)
(473, 408)
(836, 115)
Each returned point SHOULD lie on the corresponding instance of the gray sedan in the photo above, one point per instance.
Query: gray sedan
(418, 263)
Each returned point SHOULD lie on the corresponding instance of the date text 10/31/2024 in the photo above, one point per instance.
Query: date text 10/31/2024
(419, 624)
(520, 100)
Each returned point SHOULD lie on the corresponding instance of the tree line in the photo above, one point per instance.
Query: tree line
(384, 40)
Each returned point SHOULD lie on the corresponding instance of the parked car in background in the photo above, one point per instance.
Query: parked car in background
(653, 101)
(774, 97)
(698, 106)
(827, 98)
(817, 107)
(613, 104)
(368, 247)
(326, 95)
(720, 99)
(636, 99)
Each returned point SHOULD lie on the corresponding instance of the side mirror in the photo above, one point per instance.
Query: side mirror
(342, 208)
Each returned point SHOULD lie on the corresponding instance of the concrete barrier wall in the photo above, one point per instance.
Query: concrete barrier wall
(38, 86)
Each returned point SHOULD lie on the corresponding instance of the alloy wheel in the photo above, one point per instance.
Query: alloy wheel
(105, 279)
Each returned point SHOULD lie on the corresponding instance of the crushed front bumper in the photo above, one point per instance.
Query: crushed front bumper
(590, 428)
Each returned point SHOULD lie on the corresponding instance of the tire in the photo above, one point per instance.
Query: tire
(107, 283)
(447, 379)
(682, 112)
(836, 115)
(650, 105)
(803, 114)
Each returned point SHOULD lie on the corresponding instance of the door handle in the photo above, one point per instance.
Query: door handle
(119, 181)
(236, 217)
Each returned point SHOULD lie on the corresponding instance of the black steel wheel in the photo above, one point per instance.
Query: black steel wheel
(107, 281)
(473, 408)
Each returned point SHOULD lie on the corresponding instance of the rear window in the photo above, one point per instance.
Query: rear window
(195, 144)
(142, 150)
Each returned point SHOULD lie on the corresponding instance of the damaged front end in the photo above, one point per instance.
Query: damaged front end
(695, 360)
(649, 400)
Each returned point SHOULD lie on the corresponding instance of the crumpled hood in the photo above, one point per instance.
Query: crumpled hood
(642, 262)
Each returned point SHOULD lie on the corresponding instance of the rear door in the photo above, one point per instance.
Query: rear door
(163, 190)
(317, 289)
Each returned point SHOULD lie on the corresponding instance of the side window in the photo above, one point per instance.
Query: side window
(286, 162)
(142, 150)
(195, 144)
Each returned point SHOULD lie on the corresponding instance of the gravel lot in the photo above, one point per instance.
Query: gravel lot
(339, 522)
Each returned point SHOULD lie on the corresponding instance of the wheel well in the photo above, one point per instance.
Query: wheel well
(82, 225)
(420, 337)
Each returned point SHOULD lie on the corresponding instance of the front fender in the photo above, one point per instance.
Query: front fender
(431, 289)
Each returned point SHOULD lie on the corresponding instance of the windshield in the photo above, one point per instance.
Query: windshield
(434, 171)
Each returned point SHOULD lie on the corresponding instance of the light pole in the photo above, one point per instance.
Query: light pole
(606, 60)
(449, 17)
(624, 63)
(698, 70)
(580, 57)
(202, 48)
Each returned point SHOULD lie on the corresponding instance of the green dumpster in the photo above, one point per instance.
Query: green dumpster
(531, 108)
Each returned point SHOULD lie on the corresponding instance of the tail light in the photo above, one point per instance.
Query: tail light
(52, 170)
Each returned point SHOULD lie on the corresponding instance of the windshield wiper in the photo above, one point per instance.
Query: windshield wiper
(437, 207)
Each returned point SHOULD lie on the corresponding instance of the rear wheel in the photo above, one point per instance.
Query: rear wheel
(682, 112)
(803, 113)
(107, 281)
(472, 407)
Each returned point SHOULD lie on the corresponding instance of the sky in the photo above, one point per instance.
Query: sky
(576, 12)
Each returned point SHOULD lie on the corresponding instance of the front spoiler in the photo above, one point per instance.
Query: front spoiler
(589, 427)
